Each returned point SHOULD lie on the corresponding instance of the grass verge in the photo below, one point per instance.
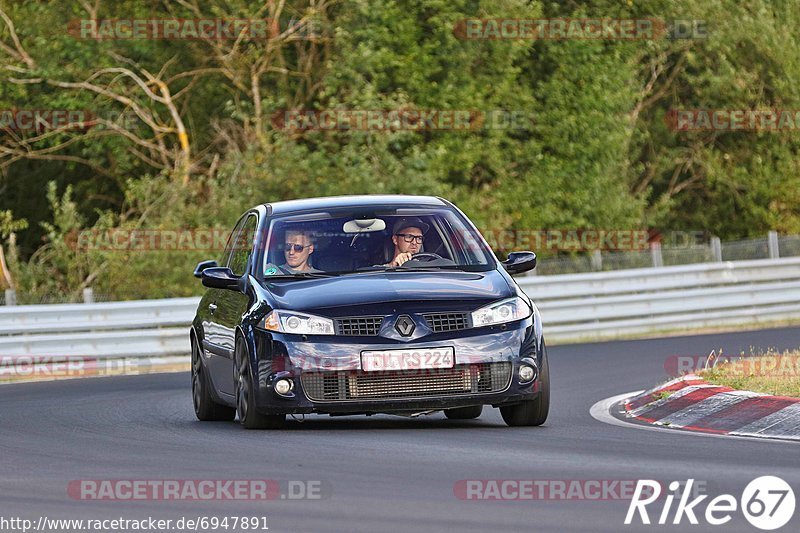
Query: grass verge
(770, 373)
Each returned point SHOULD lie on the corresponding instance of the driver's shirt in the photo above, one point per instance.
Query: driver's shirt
(270, 269)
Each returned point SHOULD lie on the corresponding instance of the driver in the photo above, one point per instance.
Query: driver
(297, 249)
(407, 236)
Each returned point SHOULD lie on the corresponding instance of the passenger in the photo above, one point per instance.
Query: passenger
(297, 249)
(407, 237)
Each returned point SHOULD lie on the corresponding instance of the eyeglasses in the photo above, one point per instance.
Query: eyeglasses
(296, 247)
(410, 237)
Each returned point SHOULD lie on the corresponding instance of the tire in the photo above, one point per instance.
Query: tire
(464, 413)
(531, 412)
(245, 408)
(205, 408)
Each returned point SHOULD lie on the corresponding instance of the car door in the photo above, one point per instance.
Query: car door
(231, 305)
(213, 333)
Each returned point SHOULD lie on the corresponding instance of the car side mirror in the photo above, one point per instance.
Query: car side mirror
(519, 262)
(220, 278)
(202, 265)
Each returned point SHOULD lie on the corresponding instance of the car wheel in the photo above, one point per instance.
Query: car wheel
(531, 412)
(205, 408)
(464, 413)
(245, 406)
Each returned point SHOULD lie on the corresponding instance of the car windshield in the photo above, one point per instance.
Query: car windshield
(350, 241)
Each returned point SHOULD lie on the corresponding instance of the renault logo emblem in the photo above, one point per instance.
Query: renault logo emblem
(404, 326)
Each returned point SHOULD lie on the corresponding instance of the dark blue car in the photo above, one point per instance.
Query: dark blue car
(364, 305)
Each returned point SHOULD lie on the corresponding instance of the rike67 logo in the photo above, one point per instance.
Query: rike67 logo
(767, 503)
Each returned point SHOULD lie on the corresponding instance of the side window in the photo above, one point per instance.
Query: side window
(243, 246)
(226, 255)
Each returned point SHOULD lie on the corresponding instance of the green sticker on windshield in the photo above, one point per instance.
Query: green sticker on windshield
(271, 271)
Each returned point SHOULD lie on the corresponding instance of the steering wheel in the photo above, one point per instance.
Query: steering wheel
(426, 257)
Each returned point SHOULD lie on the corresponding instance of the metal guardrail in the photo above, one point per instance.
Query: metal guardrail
(574, 307)
(649, 301)
(103, 330)
(64, 318)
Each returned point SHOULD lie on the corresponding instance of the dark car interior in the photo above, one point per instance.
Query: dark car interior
(337, 251)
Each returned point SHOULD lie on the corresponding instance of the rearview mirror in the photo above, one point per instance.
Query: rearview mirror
(364, 225)
(519, 262)
(220, 278)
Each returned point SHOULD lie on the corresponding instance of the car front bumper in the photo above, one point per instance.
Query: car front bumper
(327, 375)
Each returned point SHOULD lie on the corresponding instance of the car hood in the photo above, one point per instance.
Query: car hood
(377, 289)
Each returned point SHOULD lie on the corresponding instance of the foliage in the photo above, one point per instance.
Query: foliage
(183, 136)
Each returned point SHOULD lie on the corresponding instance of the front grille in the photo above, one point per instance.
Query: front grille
(439, 322)
(359, 325)
(357, 384)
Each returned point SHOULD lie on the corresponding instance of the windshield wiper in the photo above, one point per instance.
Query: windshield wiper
(301, 275)
(421, 268)
(432, 268)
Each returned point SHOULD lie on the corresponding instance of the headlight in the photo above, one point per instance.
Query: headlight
(300, 323)
(501, 312)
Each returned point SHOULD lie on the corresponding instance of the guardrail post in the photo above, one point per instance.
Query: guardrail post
(11, 297)
(772, 243)
(596, 260)
(655, 252)
(716, 250)
(88, 295)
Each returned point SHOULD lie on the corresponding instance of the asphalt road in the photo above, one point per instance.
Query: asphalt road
(379, 473)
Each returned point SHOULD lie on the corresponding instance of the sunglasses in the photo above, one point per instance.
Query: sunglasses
(410, 237)
(296, 247)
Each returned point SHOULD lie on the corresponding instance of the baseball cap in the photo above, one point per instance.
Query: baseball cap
(409, 222)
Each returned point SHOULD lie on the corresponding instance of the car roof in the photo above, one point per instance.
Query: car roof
(366, 200)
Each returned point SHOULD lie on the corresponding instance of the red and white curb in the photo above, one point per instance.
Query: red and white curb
(690, 403)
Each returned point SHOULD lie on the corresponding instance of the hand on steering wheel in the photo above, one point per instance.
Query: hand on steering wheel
(401, 259)
(426, 257)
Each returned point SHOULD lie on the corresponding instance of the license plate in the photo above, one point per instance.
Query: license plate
(425, 358)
